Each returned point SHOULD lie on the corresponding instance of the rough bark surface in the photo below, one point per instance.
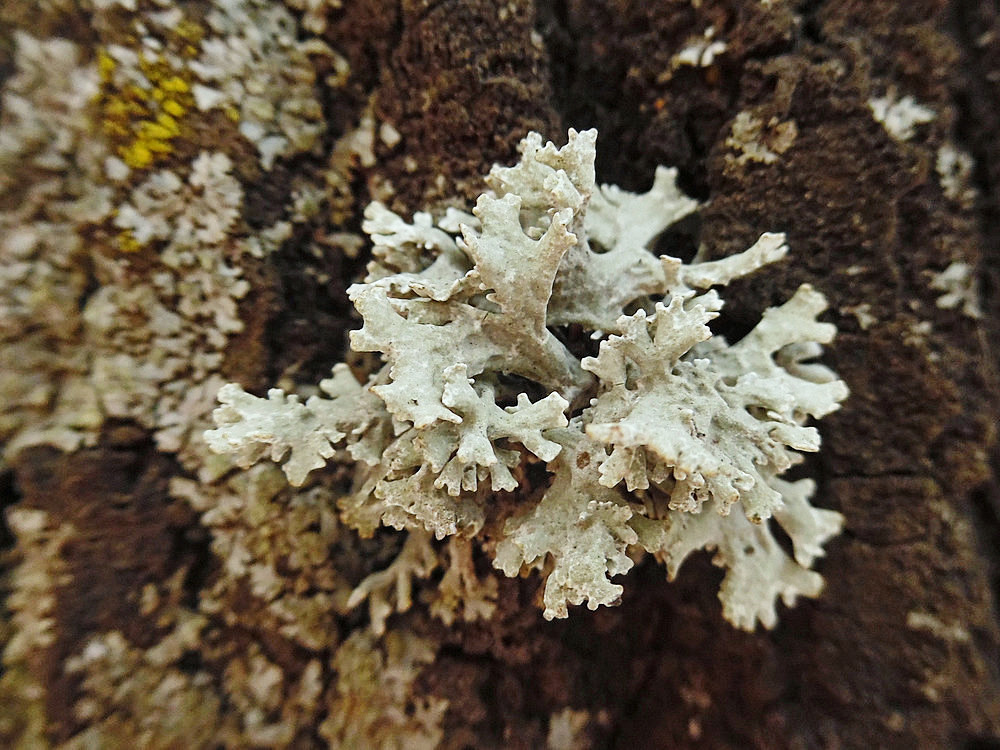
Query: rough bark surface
(903, 648)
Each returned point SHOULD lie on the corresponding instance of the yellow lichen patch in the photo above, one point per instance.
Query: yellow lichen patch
(127, 242)
(190, 31)
(172, 108)
(105, 65)
(136, 155)
(175, 85)
(142, 120)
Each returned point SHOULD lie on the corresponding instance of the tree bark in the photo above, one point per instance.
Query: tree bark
(902, 649)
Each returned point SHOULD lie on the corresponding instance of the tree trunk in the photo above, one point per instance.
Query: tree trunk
(867, 131)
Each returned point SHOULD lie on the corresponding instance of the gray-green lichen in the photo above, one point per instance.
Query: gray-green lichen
(670, 440)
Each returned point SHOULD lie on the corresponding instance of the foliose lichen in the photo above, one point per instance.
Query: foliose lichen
(669, 440)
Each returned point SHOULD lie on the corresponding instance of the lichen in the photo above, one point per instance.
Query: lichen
(373, 705)
(900, 116)
(954, 170)
(757, 141)
(653, 443)
(959, 290)
(51, 185)
(143, 102)
(40, 572)
(134, 322)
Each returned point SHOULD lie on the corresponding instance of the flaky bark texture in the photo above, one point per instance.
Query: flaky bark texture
(902, 650)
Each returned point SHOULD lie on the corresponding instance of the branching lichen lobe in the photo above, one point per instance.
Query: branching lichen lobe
(669, 410)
